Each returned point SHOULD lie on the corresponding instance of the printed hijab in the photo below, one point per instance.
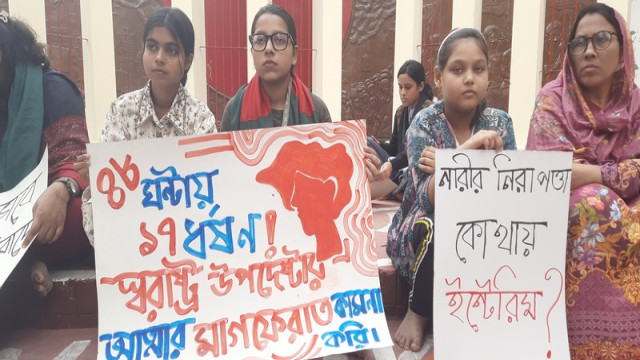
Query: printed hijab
(565, 120)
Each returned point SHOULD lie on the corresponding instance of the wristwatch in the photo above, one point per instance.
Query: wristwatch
(71, 187)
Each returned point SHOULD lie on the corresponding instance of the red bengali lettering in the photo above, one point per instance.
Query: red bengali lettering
(258, 330)
(129, 172)
(168, 227)
(155, 288)
(109, 188)
(147, 248)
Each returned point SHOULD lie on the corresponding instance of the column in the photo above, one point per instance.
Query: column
(526, 64)
(467, 13)
(408, 39)
(33, 13)
(327, 60)
(197, 78)
(98, 62)
(622, 6)
(252, 8)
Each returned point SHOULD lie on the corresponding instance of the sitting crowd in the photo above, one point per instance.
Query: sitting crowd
(591, 110)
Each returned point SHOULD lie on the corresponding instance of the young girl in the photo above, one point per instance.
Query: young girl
(163, 107)
(42, 108)
(275, 96)
(461, 120)
(415, 95)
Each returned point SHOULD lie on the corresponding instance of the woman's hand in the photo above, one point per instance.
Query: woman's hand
(385, 171)
(427, 161)
(372, 163)
(82, 167)
(583, 174)
(49, 214)
(484, 139)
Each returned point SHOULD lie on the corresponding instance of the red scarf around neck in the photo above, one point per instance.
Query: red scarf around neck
(256, 102)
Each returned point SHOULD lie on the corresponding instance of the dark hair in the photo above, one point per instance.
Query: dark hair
(598, 8)
(19, 44)
(178, 24)
(416, 72)
(446, 48)
(282, 13)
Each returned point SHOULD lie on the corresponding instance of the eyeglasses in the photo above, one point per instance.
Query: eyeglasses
(601, 40)
(279, 40)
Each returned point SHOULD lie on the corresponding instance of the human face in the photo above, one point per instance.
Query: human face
(163, 59)
(409, 90)
(465, 77)
(271, 65)
(594, 69)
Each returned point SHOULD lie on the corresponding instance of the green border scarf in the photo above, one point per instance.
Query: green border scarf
(20, 147)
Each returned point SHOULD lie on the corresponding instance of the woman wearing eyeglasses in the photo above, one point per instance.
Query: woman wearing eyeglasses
(592, 110)
(275, 96)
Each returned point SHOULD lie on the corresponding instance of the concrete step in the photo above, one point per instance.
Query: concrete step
(72, 303)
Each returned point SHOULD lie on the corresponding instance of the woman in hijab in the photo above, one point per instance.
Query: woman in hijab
(592, 110)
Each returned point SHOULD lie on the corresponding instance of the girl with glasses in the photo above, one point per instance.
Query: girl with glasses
(593, 110)
(275, 96)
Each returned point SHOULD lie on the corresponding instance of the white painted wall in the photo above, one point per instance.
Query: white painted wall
(33, 13)
(197, 76)
(622, 6)
(99, 64)
(327, 54)
(408, 40)
(252, 8)
(467, 13)
(526, 64)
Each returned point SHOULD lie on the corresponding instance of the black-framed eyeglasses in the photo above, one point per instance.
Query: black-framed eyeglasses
(601, 40)
(279, 41)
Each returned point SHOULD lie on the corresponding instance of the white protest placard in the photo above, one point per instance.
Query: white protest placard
(500, 240)
(16, 216)
(243, 245)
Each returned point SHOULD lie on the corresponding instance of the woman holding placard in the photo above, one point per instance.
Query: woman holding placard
(162, 108)
(593, 110)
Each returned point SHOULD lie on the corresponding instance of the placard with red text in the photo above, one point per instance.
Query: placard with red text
(500, 240)
(243, 245)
